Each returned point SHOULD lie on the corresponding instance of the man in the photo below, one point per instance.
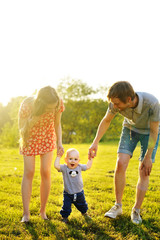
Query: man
(141, 124)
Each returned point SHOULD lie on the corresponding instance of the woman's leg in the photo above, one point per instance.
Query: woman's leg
(45, 170)
(29, 169)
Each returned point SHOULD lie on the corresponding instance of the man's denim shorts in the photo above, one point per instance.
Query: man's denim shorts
(129, 140)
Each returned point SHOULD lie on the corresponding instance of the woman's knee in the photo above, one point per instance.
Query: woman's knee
(45, 173)
(29, 167)
(29, 173)
(46, 161)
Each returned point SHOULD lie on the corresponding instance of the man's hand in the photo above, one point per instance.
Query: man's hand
(146, 165)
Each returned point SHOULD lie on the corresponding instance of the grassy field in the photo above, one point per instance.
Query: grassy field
(99, 191)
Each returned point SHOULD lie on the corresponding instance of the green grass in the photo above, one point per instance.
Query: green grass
(99, 192)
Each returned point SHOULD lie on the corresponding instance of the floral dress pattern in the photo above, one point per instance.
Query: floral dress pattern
(42, 136)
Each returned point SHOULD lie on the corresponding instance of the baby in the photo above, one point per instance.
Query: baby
(73, 183)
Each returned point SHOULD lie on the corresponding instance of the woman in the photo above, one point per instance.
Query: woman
(40, 128)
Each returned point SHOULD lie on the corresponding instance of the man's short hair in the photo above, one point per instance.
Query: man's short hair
(121, 90)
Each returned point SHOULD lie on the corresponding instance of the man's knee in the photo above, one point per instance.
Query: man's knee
(143, 183)
(122, 162)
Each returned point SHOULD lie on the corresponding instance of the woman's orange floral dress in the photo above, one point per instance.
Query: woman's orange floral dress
(42, 136)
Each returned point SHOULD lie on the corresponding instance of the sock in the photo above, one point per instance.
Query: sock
(119, 204)
(137, 210)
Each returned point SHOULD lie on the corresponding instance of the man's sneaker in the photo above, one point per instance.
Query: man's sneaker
(135, 216)
(115, 211)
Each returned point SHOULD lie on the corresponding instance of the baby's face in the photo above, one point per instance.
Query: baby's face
(72, 159)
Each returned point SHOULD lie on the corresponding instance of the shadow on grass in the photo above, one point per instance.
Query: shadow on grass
(48, 230)
(75, 229)
(87, 230)
(152, 225)
(31, 229)
(147, 230)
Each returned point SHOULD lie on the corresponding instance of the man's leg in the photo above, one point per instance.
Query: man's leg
(143, 180)
(142, 187)
(120, 181)
(120, 175)
(127, 144)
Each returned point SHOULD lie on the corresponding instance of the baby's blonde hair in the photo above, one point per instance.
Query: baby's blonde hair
(71, 150)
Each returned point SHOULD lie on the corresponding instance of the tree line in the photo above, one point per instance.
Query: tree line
(82, 115)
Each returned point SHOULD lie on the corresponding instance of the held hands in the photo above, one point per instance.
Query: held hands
(92, 151)
(60, 150)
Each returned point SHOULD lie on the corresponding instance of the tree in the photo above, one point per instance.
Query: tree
(71, 89)
(9, 132)
(4, 116)
(80, 119)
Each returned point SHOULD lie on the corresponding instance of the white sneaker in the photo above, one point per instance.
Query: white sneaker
(135, 216)
(115, 211)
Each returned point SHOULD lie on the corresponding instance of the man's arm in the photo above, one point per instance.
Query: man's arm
(147, 161)
(102, 128)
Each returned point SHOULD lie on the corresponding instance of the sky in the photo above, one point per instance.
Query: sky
(97, 41)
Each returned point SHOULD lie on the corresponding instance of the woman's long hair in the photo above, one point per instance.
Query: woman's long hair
(45, 96)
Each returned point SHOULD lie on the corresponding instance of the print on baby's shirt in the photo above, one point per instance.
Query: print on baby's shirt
(73, 173)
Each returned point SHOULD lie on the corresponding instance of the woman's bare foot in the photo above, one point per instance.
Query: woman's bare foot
(25, 219)
(44, 216)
